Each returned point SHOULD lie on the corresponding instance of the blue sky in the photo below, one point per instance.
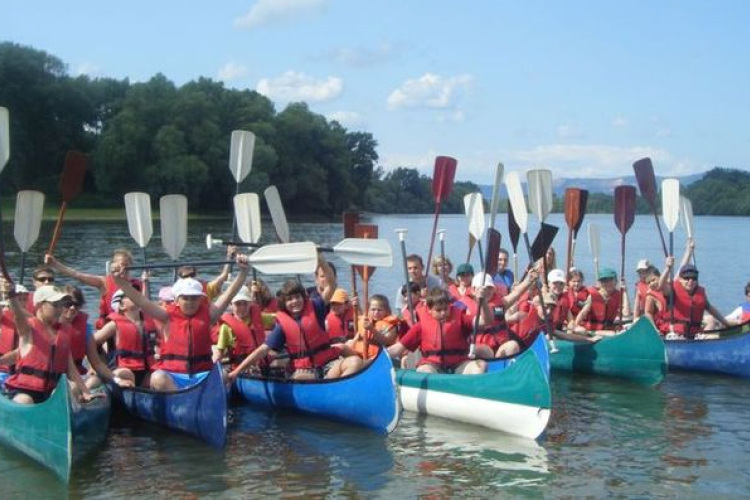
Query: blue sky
(583, 88)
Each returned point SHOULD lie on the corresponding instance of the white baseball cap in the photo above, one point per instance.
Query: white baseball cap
(187, 286)
(556, 276)
(242, 295)
(643, 264)
(48, 293)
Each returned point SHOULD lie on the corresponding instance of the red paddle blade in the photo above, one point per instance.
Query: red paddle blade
(493, 250)
(350, 220)
(73, 174)
(624, 207)
(573, 213)
(513, 229)
(365, 231)
(644, 174)
(543, 241)
(442, 178)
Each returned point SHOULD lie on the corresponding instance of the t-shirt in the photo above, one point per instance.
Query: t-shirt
(276, 339)
(432, 282)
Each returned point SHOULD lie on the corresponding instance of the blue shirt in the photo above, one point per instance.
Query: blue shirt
(276, 339)
(504, 277)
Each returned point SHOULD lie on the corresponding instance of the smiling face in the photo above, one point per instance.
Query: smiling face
(502, 261)
(189, 304)
(294, 304)
(415, 270)
(377, 310)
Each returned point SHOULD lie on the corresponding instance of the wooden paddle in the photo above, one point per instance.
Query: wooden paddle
(686, 217)
(4, 157)
(278, 216)
(594, 245)
(540, 201)
(402, 239)
(350, 220)
(624, 217)
(27, 221)
(71, 183)
(573, 218)
(241, 148)
(515, 234)
(364, 232)
(442, 184)
(670, 207)
(644, 174)
(140, 226)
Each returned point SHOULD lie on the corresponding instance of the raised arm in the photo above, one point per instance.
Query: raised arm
(689, 249)
(664, 285)
(221, 304)
(87, 279)
(149, 308)
(327, 292)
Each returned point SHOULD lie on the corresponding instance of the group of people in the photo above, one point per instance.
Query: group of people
(455, 323)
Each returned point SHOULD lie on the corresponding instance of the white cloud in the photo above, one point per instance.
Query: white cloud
(365, 56)
(88, 69)
(232, 71)
(265, 12)
(298, 86)
(428, 91)
(620, 122)
(347, 118)
(569, 132)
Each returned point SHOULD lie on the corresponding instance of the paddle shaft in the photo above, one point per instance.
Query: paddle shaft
(671, 281)
(175, 265)
(432, 237)
(58, 227)
(658, 226)
(406, 277)
(545, 313)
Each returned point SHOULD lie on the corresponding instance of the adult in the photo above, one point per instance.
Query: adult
(742, 313)
(73, 315)
(415, 270)
(442, 267)
(503, 277)
(641, 288)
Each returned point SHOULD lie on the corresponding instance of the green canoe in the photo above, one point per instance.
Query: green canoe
(637, 354)
(56, 432)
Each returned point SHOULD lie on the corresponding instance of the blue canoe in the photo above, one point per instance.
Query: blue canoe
(199, 410)
(368, 398)
(729, 354)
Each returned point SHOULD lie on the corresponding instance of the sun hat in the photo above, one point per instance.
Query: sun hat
(48, 293)
(187, 286)
(556, 276)
(21, 289)
(339, 296)
(607, 273)
(643, 264)
(464, 268)
(242, 295)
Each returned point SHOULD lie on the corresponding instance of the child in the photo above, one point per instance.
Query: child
(379, 327)
(240, 333)
(340, 319)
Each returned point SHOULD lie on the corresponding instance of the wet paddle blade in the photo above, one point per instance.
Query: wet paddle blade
(241, 154)
(543, 241)
(644, 174)
(173, 216)
(670, 202)
(73, 175)
(351, 219)
(624, 207)
(4, 137)
(513, 229)
(517, 201)
(442, 177)
(594, 240)
(493, 250)
(247, 212)
(495, 200)
(474, 209)
(540, 192)
(28, 218)
(686, 215)
(286, 258)
(138, 213)
(365, 252)
(273, 200)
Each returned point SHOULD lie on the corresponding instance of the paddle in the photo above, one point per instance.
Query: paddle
(242, 145)
(247, 219)
(495, 200)
(540, 201)
(367, 232)
(173, 218)
(490, 269)
(138, 213)
(278, 216)
(624, 217)
(281, 258)
(402, 239)
(515, 233)
(474, 210)
(350, 220)
(71, 182)
(27, 221)
(594, 244)
(441, 238)
(543, 240)
(472, 242)
(686, 218)
(670, 207)
(4, 157)
(573, 218)
(644, 174)
(442, 184)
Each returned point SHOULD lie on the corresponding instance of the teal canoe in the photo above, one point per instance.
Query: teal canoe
(637, 354)
(515, 399)
(57, 432)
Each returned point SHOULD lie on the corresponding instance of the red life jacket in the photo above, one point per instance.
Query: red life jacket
(529, 328)
(661, 314)
(134, 349)
(602, 315)
(688, 310)
(47, 359)
(30, 304)
(340, 329)
(420, 310)
(187, 349)
(8, 337)
(559, 316)
(745, 312)
(306, 342)
(272, 306)
(247, 337)
(446, 344)
(641, 290)
(78, 340)
(577, 300)
(105, 302)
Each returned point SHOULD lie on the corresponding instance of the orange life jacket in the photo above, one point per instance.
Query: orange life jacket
(446, 344)
(340, 329)
(47, 359)
(306, 342)
(187, 348)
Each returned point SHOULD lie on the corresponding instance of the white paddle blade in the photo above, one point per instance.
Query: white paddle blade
(517, 201)
(241, 154)
(474, 208)
(28, 218)
(273, 200)
(686, 215)
(247, 213)
(286, 258)
(173, 215)
(540, 192)
(670, 202)
(138, 212)
(365, 252)
(4, 138)
(495, 200)
(594, 240)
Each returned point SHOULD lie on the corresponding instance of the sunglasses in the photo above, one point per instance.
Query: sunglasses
(188, 275)
(67, 304)
(689, 278)
(45, 279)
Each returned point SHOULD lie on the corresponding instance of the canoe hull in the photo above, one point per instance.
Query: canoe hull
(57, 432)
(515, 400)
(728, 355)
(199, 410)
(638, 354)
(368, 398)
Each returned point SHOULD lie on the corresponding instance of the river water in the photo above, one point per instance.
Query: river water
(687, 437)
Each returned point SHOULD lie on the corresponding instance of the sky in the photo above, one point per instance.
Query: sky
(581, 87)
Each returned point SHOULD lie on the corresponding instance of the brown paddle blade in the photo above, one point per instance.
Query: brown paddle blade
(442, 178)
(366, 231)
(644, 174)
(350, 220)
(73, 174)
(493, 250)
(513, 229)
(543, 241)
(624, 207)
(572, 207)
